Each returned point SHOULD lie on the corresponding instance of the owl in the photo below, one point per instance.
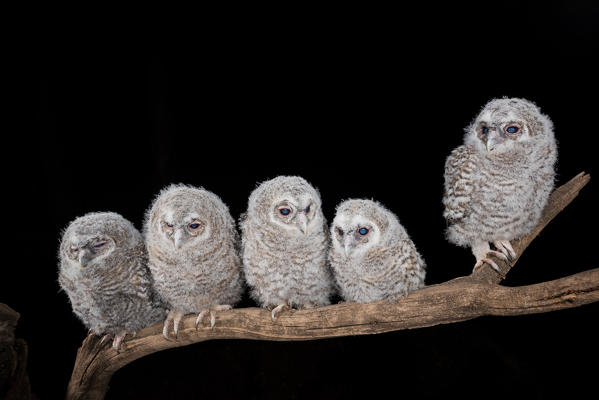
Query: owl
(284, 245)
(498, 182)
(193, 250)
(103, 270)
(372, 256)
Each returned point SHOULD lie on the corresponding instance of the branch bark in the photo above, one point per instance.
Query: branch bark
(457, 300)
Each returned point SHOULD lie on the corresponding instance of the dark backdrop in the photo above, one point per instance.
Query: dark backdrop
(361, 104)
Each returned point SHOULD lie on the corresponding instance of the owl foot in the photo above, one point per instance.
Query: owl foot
(481, 251)
(506, 248)
(118, 339)
(482, 261)
(277, 310)
(176, 318)
(204, 313)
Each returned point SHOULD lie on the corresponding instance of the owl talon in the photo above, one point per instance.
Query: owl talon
(105, 337)
(479, 264)
(506, 248)
(176, 318)
(118, 340)
(201, 316)
(277, 310)
(499, 255)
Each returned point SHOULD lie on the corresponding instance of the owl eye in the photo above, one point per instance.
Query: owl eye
(485, 130)
(74, 249)
(285, 211)
(363, 231)
(340, 231)
(307, 209)
(193, 226)
(99, 244)
(169, 225)
(512, 129)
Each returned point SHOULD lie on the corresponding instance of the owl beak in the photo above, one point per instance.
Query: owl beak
(347, 245)
(491, 144)
(302, 223)
(178, 238)
(84, 257)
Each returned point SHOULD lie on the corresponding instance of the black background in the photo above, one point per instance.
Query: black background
(362, 103)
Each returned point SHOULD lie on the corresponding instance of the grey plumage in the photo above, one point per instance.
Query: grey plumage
(498, 182)
(284, 245)
(103, 270)
(192, 245)
(372, 256)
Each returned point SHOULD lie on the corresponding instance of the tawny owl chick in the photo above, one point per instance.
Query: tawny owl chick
(193, 254)
(103, 271)
(498, 182)
(284, 245)
(372, 256)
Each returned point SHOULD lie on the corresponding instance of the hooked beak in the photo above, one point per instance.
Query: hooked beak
(302, 223)
(84, 257)
(491, 144)
(178, 238)
(347, 245)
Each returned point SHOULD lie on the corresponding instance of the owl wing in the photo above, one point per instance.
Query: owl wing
(459, 184)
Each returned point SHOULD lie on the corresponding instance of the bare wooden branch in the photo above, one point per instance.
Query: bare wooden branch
(457, 300)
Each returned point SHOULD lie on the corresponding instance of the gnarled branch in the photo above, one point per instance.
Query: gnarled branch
(457, 300)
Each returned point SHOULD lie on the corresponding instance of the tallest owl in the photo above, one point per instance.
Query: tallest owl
(498, 182)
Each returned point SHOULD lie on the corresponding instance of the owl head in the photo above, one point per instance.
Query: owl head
(505, 125)
(288, 202)
(184, 217)
(91, 239)
(360, 225)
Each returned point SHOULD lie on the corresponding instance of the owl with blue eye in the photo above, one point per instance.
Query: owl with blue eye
(499, 180)
(284, 245)
(372, 256)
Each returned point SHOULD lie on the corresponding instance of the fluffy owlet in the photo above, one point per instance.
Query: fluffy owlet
(103, 271)
(372, 256)
(497, 183)
(193, 253)
(284, 244)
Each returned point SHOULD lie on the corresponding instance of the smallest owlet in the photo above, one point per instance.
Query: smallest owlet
(103, 271)
(372, 256)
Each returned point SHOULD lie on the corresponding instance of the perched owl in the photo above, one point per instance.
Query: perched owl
(103, 271)
(193, 253)
(284, 245)
(372, 256)
(497, 183)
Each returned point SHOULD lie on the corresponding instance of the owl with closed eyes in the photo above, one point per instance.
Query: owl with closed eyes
(103, 269)
(284, 245)
(372, 256)
(498, 182)
(193, 245)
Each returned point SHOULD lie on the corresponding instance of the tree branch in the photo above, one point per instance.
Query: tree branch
(457, 300)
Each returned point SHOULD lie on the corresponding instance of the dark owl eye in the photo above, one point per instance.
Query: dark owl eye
(485, 130)
(308, 209)
(284, 211)
(97, 245)
(193, 226)
(340, 232)
(512, 129)
(169, 225)
(74, 249)
(363, 231)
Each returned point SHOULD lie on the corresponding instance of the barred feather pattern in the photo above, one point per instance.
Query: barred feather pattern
(500, 194)
(282, 264)
(384, 263)
(206, 270)
(113, 292)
